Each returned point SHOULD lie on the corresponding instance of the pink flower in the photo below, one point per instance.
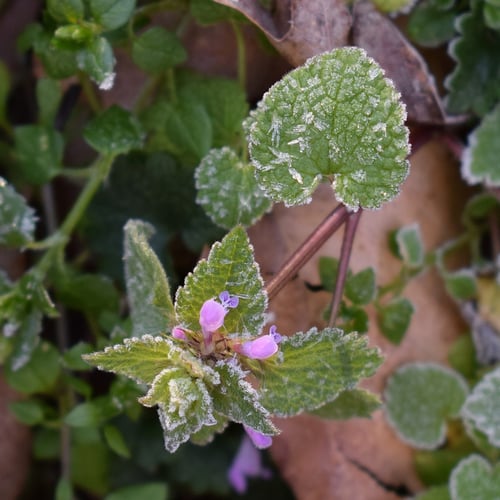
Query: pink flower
(259, 440)
(178, 333)
(212, 316)
(262, 347)
(246, 464)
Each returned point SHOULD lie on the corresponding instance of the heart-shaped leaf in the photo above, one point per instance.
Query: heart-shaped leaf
(474, 477)
(336, 118)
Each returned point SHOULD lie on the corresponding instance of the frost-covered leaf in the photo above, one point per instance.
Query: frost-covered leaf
(208, 432)
(230, 266)
(313, 368)
(474, 477)
(157, 49)
(353, 403)
(409, 245)
(148, 291)
(238, 400)
(419, 398)
(115, 131)
(111, 14)
(434, 493)
(335, 118)
(98, 61)
(184, 408)
(431, 25)
(480, 158)
(482, 406)
(39, 150)
(138, 358)
(461, 284)
(394, 318)
(228, 190)
(474, 84)
(360, 287)
(17, 219)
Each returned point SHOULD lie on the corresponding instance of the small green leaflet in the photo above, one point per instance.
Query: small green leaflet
(461, 284)
(111, 14)
(115, 131)
(228, 190)
(474, 477)
(17, 219)
(334, 118)
(410, 246)
(419, 398)
(39, 150)
(152, 310)
(394, 318)
(360, 287)
(157, 49)
(48, 97)
(66, 10)
(353, 403)
(98, 61)
(480, 158)
(313, 368)
(230, 266)
(151, 491)
(482, 407)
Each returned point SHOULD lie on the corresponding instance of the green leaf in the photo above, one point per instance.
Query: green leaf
(236, 399)
(435, 493)
(93, 413)
(360, 287)
(98, 61)
(64, 490)
(491, 12)
(72, 358)
(157, 50)
(46, 444)
(410, 246)
(462, 356)
(478, 207)
(230, 266)
(228, 190)
(430, 25)
(48, 96)
(353, 403)
(475, 477)
(185, 406)
(116, 441)
(138, 358)
(419, 398)
(17, 219)
(394, 318)
(115, 131)
(480, 157)
(74, 35)
(335, 118)
(94, 479)
(58, 62)
(482, 406)
(39, 374)
(461, 284)
(474, 84)
(66, 10)
(313, 368)
(28, 411)
(208, 432)
(152, 310)
(151, 491)
(111, 14)
(394, 6)
(328, 269)
(210, 12)
(39, 150)
(351, 319)
(434, 466)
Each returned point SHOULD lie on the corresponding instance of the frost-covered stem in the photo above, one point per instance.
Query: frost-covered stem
(89, 92)
(345, 255)
(310, 246)
(240, 46)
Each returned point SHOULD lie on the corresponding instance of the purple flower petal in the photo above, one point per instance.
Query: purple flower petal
(211, 316)
(274, 334)
(228, 301)
(178, 333)
(259, 440)
(260, 348)
(247, 463)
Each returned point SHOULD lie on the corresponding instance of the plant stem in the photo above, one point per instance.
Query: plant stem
(241, 58)
(345, 255)
(89, 92)
(100, 170)
(310, 246)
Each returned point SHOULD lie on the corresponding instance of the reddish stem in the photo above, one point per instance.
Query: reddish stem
(345, 255)
(310, 246)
